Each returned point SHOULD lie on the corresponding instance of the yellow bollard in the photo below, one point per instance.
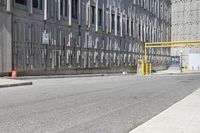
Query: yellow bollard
(147, 69)
(185, 68)
(143, 69)
(150, 68)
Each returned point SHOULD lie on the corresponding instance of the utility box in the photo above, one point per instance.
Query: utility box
(194, 62)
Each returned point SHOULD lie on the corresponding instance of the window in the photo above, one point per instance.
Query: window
(37, 4)
(139, 32)
(113, 21)
(63, 7)
(149, 5)
(93, 14)
(100, 17)
(75, 9)
(23, 2)
(118, 23)
(127, 26)
(132, 28)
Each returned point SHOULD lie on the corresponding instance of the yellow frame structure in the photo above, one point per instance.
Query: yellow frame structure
(149, 45)
(146, 66)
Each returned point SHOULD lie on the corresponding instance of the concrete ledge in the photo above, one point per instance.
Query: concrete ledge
(75, 71)
(13, 83)
(82, 71)
(64, 76)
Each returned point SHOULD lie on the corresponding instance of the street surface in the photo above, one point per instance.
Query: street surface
(107, 104)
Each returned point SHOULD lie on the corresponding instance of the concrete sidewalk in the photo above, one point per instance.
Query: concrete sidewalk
(13, 82)
(182, 117)
(175, 72)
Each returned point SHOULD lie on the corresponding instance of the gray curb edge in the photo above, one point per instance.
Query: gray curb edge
(15, 85)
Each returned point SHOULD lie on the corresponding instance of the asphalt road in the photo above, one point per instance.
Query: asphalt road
(109, 104)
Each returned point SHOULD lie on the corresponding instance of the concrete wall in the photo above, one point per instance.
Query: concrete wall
(185, 26)
(79, 43)
(5, 39)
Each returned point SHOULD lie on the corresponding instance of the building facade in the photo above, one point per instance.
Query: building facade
(185, 26)
(81, 33)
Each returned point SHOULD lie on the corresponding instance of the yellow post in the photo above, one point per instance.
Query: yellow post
(143, 68)
(138, 68)
(145, 53)
(150, 68)
(147, 69)
(185, 68)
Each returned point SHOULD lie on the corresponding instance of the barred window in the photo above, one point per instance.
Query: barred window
(118, 23)
(100, 17)
(128, 27)
(131, 27)
(63, 7)
(37, 4)
(113, 21)
(23, 2)
(75, 9)
(93, 14)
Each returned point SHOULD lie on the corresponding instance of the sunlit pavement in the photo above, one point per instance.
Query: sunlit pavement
(182, 117)
(106, 104)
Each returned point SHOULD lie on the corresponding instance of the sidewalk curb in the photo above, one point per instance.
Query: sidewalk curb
(16, 84)
(64, 76)
(171, 73)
